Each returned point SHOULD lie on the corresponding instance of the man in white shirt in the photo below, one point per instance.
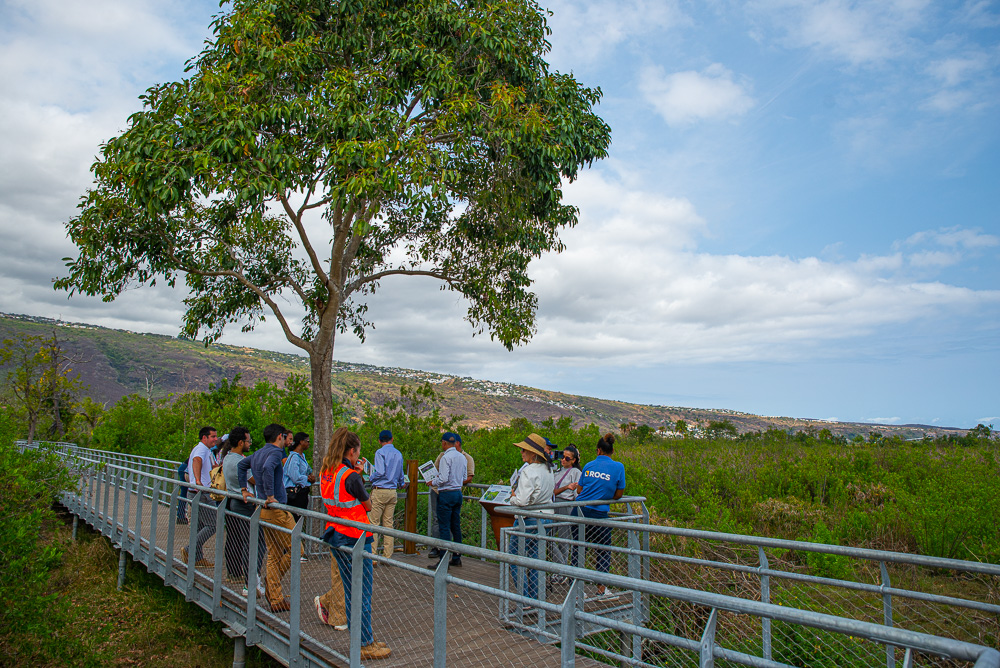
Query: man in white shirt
(200, 463)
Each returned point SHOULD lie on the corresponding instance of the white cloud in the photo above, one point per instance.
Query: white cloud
(954, 71)
(884, 420)
(953, 237)
(857, 32)
(633, 289)
(686, 97)
(583, 32)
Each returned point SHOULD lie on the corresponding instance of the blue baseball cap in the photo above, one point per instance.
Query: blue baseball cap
(384, 436)
(451, 437)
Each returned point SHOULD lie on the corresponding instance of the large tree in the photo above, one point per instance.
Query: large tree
(319, 147)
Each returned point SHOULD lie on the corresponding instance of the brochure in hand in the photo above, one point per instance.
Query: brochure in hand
(428, 471)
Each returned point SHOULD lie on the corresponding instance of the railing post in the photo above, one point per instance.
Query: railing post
(295, 584)
(357, 594)
(153, 515)
(252, 576)
(765, 597)
(890, 651)
(192, 550)
(567, 627)
(542, 577)
(113, 529)
(706, 658)
(121, 567)
(635, 571)
(169, 577)
(140, 488)
(107, 487)
(126, 515)
(410, 506)
(441, 611)
(220, 534)
(76, 521)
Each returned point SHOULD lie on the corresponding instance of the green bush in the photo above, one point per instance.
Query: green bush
(29, 482)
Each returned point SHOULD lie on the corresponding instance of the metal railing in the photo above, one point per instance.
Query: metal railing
(643, 621)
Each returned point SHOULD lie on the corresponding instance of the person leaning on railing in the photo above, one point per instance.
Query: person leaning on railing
(237, 546)
(344, 496)
(533, 486)
(602, 479)
(267, 471)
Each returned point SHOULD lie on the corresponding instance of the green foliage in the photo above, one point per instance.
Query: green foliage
(827, 565)
(431, 137)
(39, 383)
(168, 428)
(29, 482)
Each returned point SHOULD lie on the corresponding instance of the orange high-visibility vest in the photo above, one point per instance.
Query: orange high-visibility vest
(339, 503)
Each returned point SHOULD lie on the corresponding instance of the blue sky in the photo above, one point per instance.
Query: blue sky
(800, 213)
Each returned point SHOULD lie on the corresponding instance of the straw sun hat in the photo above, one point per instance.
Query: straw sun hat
(534, 443)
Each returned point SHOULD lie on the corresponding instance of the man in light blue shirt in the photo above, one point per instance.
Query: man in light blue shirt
(387, 477)
(451, 476)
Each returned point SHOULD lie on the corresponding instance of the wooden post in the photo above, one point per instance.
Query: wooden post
(410, 519)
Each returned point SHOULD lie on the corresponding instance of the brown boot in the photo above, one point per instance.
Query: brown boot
(375, 651)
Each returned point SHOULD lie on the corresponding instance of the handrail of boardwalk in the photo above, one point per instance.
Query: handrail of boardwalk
(107, 489)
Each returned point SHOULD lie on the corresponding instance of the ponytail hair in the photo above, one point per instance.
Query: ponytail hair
(576, 455)
(607, 443)
(342, 442)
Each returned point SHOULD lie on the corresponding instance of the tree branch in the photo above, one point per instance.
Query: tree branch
(313, 258)
(357, 284)
(292, 338)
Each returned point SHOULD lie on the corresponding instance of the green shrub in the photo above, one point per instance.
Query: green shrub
(29, 482)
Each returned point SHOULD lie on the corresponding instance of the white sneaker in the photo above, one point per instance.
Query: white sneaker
(302, 560)
(260, 589)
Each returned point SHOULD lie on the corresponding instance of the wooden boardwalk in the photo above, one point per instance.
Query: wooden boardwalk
(402, 607)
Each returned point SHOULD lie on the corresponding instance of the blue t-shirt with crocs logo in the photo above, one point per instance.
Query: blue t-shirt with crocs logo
(600, 480)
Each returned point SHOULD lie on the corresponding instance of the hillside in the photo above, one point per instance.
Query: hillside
(114, 363)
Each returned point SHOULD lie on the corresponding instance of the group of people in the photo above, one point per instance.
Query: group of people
(536, 483)
(274, 475)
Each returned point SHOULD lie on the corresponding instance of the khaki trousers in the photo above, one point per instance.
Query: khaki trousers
(381, 514)
(333, 600)
(279, 556)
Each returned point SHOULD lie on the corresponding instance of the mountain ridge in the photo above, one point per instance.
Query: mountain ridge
(114, 363)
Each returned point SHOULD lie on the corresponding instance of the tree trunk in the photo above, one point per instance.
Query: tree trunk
(320, 365)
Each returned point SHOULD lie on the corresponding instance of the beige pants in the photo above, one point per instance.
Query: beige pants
(383, 508)
(279, 547)
(333, 600)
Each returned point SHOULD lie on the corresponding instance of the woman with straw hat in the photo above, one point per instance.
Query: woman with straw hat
(534, 486)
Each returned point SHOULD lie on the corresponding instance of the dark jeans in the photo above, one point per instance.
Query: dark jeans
(528, 588)
(237, 546)
(449, 514)
(337, 540)
(600, 536)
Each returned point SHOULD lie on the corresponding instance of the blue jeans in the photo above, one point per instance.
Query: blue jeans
(344, 563)
(530, 587)
(449, 514)
(600, 536)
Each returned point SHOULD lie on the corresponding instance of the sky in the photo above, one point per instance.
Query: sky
(799, 214)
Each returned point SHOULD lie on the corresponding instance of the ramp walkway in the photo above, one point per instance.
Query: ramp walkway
(762, 614)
